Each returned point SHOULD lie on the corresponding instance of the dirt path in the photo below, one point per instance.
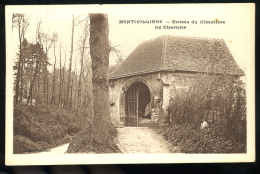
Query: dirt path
(141, 140)
(60, 149)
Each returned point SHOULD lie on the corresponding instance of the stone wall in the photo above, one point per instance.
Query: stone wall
(163, 85)
(174, 83)
(118, 88)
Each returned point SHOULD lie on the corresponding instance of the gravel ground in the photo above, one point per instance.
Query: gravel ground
(141, 140)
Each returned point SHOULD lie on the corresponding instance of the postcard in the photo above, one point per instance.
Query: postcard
(129, 84)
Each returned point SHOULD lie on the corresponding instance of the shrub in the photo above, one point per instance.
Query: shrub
(210, 140)
(218, 99)
(26, 145)
(43, 127)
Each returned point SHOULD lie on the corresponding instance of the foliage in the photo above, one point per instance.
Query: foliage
(21, 22)
(98, 138)
(218, 99)
(42, 127)
(213, 139)
(214, 98)
(30, 55)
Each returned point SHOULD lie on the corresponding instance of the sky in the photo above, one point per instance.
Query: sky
(238, 30)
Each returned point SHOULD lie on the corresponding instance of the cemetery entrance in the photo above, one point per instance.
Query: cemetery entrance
(137, 101)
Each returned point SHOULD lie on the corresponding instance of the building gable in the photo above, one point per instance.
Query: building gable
(175, 53)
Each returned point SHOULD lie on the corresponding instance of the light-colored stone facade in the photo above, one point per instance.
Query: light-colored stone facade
(162, 85)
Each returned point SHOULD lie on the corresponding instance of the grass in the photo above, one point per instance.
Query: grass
(82, 143)
(38, 128)
(213, 139)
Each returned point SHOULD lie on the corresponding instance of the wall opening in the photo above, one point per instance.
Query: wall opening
(137, 104)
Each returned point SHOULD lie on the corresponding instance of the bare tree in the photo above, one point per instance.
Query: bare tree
(70, 103)
(60, 80)
(63, 85)
(21, 22)
(88, 86)
(71, 87)
(71, 54)
(33, 79)
(54, 70)
(99, 51)
(82, 48)
(40, 59)
(39, 35)
(47, 42)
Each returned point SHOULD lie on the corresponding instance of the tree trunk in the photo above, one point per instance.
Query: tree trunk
(21, 74)
(47, 88)
(38, 87)
(53, 81)
(46, 76)
(71, 53)
(82, 51)
(60, 91)
(33, 81)
(79, 84)
(19, 66)
(71, 87)
(21, 23)
(44, 86)
(74, 104)
(99, 51)
(71, 92)
(63, 89)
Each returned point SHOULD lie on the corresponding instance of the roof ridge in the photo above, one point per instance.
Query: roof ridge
(112, 73)
(170, 52)
(149, 40)
(175, 36)
(190, 37)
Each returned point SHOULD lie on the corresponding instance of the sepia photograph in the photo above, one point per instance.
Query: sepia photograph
(122, 84)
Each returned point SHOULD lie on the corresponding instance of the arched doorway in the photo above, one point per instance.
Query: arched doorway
(137, 100)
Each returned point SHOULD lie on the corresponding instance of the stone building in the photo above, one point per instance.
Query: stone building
(141, 87)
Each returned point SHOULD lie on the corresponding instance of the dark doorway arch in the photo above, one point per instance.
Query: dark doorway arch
(137, 101)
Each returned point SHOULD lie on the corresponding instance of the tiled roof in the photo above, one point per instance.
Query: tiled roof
(175, 53)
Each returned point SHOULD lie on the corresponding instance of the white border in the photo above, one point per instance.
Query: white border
(49, 159)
